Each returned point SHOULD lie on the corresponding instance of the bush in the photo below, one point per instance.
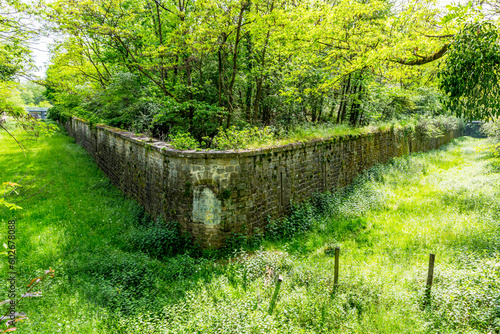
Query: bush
(436, 126)
(128, 104)
(427, 101)
(300, 220)
(492, 129)
(158, 239)
(199, 119)
(183, 141)
(233, 139)
(67, 105)
(386, 103)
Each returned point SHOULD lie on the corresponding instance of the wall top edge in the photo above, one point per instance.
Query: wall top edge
(165, 149)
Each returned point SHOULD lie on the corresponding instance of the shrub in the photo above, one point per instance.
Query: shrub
(243, 240)
(492, 129)
(436, 126)
(183, 141)
(386, 103)
(300, 220)
(159, 239)
(66, 106)
(197, 118)
(427, 101)
(232, 138)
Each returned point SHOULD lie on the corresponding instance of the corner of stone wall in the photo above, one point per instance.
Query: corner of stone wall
(214, 194)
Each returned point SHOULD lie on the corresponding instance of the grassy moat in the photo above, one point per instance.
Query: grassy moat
(116, 271)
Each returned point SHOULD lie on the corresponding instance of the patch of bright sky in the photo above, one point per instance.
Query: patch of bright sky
(41, 54)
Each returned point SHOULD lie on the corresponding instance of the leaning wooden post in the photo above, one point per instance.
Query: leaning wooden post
(275, 295)
(430, 276)
(336, 270)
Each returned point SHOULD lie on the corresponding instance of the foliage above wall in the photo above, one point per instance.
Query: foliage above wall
(471, 76)
(165, 67)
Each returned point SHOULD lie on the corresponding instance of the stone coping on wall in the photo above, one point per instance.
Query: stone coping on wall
(167, 149)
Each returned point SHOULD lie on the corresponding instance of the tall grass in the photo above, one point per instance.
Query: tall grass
(117, 271)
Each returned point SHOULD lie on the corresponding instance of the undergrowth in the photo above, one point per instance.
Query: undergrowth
(251, 138)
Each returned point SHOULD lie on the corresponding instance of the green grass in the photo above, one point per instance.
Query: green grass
(446, 202)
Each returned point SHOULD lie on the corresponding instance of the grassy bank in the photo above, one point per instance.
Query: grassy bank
(110, 277)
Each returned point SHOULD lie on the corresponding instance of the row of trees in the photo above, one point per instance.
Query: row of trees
(166, 66)
(198, 65)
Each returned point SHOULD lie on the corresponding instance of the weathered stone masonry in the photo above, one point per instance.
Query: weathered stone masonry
(213, 193)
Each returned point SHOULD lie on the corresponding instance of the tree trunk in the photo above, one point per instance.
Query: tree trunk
(343, 103)
(354, 106)
(235, 65)
(249, 88)
(260, 79)
(220, 67)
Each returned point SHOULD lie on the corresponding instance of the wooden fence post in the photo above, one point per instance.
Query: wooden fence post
(275, 295)
(430, 277)
(336, 270)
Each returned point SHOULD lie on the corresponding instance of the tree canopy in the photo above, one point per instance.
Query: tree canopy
(471, 74)
(163, 66)
(16, 32)
(251, 61)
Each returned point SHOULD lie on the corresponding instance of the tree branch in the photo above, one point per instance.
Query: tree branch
(439, 36)
(10, 134)
(424, 60)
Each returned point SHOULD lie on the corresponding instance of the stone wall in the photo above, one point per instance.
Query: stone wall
(214, 193)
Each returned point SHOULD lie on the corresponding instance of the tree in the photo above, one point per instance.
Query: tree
(32, 93)
(15, 54)
(214, 63)
(471, 74)
(15, 60)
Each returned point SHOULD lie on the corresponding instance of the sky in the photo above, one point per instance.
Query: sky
(41, 55)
